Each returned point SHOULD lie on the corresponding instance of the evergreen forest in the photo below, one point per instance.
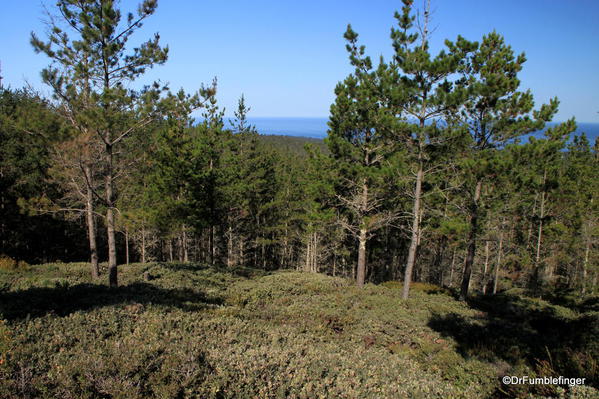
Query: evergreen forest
(447, 225)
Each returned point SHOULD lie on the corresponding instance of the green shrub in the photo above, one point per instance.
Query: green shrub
(188, 331)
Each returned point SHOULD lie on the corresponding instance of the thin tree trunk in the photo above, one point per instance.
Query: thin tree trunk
(486, 268)
(184, 243)
(334, 265)
(415, 233)
(211, 245)
(452, 267)
(542, 216)
(308, 247)
(585, 264)
(363, 236)
(230, 247)
(127, 246)
(91, 228)
(471, 243)
(361, 272)
(110, 223)
(143, 243)
(498, 265)
(530, 225)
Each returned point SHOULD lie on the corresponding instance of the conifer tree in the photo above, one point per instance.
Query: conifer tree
(357, 139)
(419, 92)
(91, 71)
(494, 112)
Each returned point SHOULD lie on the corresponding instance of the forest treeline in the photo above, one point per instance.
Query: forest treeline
(428, 173)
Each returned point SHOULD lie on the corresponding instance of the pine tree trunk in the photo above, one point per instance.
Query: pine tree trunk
(211, 245)
(452, 268)
(334, 265)
(498, 265)
(230, 247)
(530, 225)
(143, 243)
(485, 268)
(91, 228)
(361, 272)
(363, 236)
(471, 243)
(184, 244)
(110, 222)
(308, 248)
(585, 264)
(541, 217)
(415, 233)
(126, 246)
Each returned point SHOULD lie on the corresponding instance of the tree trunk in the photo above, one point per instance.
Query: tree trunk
(143, 243)
(361, 272)
(498, 265)
(541, 217)
(184, 245)
(110, 223)
(363, 236)
(486, 268)
(91, 228)
(585, 264)
(230, 246)
(415, 233)
(471, 243)
(452, 268)
(126, 246)
(308, 249)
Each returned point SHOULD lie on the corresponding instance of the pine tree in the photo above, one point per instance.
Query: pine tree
(91, 74)
(495, 112)
(420, 92)
(357, 138)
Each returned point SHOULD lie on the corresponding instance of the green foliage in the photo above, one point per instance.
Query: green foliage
(190, 331)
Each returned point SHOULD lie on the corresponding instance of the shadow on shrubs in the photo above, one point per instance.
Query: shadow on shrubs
(551, 340)
(64, 299)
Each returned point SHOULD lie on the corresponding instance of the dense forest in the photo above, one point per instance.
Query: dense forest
(429, 172)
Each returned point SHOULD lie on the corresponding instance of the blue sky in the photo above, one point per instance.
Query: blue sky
(287, 56)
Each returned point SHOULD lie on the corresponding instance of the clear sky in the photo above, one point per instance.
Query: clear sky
(287, 56)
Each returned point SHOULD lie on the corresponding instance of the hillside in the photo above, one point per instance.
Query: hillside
(182, 330)
(291, 144)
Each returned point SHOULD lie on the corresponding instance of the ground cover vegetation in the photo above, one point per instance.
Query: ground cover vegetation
(187, 330)
(429, 177)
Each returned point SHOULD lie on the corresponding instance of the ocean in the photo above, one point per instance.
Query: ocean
(317, 127)
(299, 127)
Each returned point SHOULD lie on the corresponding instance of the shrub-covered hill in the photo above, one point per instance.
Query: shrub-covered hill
(182, 330)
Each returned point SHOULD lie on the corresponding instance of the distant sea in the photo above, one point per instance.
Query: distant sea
(299, 127)
(317, 127)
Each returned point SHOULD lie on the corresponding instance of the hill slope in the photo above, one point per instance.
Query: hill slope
(181, 330)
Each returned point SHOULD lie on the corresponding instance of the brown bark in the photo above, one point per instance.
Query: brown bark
(471, 243)
(362, 237)
(361, 272)
(485, 268)
(110, 223)
(91, 229)
(415, 233)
